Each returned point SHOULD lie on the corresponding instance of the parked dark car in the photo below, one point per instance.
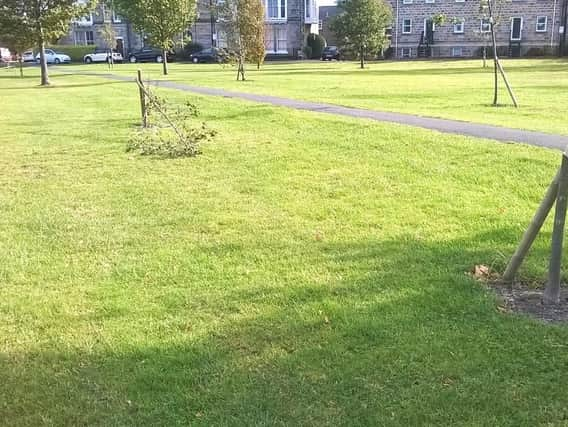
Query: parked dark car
(207, 55)
(329, 53)
(148, 54)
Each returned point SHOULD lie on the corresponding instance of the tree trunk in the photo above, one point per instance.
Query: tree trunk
(362, 55)
(21, 65)
(495, 58)
(165, 62)
(43, 64)
(484, 56)
(110, 59)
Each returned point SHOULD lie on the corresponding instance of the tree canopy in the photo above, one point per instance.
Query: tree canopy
(161, 20)
(360, 26)
(38, 22)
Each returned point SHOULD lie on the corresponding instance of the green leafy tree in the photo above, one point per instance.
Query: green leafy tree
(360, 25)
(108, 35)
(16, 38)
(43, 21)
(161, 20)
(243, 21)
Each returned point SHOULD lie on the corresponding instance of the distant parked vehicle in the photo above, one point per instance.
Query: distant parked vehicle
(28, 56)
(207, 55)
(330, 53)
(148, 54)
(52, 57)
(5, 55)
(101, 55)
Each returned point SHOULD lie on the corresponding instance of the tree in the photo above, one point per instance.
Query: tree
(41, 20)
(244, 25)
(16, 38)
(361, 24)
(491, 11)
(108, 35)
(161, 20)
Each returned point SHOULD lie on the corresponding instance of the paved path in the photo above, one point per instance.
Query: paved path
(541, 139)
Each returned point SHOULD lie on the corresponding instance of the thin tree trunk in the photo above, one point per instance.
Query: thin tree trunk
(43, 64)
(362, 55)
(21, 64)
(165, 62)
(484, 56)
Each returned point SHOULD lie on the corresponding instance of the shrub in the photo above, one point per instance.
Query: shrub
(307, 51)
(76, 53)
(316, 43)
(171, 132)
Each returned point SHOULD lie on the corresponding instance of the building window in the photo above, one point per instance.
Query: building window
(320, 25)
(117, 19)
(83, 38)
(541, 22)
(457, 52)
(407, 26)
(460, 1)
(276, 9)
(407, 52)
(429, 1)
(107, 13)
(485, 25)
(407, 1)
(459, 26)
(276, 39)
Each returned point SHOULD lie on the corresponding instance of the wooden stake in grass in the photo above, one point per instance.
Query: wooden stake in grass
(142, 93)
(552, 291)
(532, 231)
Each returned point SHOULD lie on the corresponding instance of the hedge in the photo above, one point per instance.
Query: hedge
(75, 52)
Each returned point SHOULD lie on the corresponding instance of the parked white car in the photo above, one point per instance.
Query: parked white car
(101, 55)
(52, 57)
(28, 56)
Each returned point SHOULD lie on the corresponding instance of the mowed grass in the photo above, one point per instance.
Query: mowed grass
(461, 90)
(304, 270)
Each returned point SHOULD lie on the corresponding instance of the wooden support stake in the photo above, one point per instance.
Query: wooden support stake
(532, 230)
(511, 94)
(552, 290)
(142, 99)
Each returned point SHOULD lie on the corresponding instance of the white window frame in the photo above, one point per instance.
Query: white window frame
(487, 22)
(460, 1)
(404, 26)
(545, 24)
(407, 1)
(457, 49)
(117, 19)
(520, 31)
(104, 13)
(279, 18)
(85, 21)
(461, 23)
(402, 52)
(429, 1)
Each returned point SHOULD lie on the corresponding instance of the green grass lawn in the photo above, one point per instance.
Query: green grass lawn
(450, 89)
(304, 270)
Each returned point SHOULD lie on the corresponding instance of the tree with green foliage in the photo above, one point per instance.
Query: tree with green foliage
(360, 25)
(243, 21)
(43, 21)
(15, 38)
(108, 35)
(161, 20)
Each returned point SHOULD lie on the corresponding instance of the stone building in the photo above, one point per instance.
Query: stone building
(326, 15)
(87, 31)
(525, 27)
(288, 22)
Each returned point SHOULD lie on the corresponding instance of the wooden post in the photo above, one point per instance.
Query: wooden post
(511, 94)
(142, 99)
(532, 230)
(552, 290)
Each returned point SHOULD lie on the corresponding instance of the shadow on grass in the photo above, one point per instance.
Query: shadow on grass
(399, 336)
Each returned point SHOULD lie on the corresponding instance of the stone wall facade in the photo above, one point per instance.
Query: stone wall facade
(524, 27)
